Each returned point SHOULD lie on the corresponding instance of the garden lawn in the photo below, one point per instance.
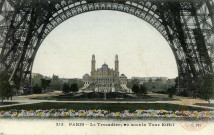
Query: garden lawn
(113, 107)
(7, 103)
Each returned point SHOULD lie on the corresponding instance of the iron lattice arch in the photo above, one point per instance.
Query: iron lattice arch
(187, 25)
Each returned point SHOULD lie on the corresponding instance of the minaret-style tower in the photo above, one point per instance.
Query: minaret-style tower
(116, 65)
(93, 65)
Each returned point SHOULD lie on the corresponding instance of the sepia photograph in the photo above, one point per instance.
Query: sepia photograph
(106, 67)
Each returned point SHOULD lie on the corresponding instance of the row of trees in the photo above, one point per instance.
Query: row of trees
(139, 89)
(155, 86)
(7, 89)
(40, 84)
(44, 83)
(55, 83)
(203, 89)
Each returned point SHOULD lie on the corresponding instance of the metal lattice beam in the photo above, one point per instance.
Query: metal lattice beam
(187, 25)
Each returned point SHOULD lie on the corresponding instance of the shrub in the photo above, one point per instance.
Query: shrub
(74, 87)
(37, 89)
(161, 92)
(135, 88)
(143, 89)
(65, 88)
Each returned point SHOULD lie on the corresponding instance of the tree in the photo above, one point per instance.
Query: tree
(16, 82)
(36, 78)
(5, 87)
(37, 89)
(149, 84)
(154, 89)
(135, 88)
(150, 80)
(74, 87)
(65, 88)
(79, 82)
(132, 82)
(207, 90)
(56, 83)
(45, 83)
(171, 92)
(143, 89)
(170, 83)
(159, 84)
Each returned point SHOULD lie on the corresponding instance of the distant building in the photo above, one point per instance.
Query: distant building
(146, 79)
(104, 77)
(123, 79)
(65, 80)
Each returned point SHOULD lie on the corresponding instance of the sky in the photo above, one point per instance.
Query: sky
(142, 50)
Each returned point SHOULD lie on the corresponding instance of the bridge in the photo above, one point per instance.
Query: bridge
(187, 26)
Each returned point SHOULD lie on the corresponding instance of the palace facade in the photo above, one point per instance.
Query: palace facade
(104, 77)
